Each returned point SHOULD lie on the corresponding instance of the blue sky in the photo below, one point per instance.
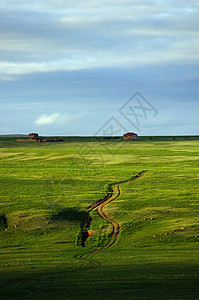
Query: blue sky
(67, 67)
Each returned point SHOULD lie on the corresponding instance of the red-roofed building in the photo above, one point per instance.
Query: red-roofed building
(33, 135)
(130, 136)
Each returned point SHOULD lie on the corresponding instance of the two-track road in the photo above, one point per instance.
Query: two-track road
(116, 228)
(102, 213)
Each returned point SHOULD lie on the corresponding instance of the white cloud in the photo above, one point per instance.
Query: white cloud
(59, 119)
(47, 119)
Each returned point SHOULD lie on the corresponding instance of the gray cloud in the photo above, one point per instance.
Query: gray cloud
(65, 35)
(82, 60)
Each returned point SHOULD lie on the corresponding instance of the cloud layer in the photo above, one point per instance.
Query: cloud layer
(66, 67)
(53, 36)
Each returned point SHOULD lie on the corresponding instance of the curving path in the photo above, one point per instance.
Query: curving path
(116, 192)
(115, 225)
(100, 210)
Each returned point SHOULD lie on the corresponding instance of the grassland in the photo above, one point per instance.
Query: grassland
(45, 192)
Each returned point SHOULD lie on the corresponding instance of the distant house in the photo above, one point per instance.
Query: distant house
(33, 135)
(130, 136)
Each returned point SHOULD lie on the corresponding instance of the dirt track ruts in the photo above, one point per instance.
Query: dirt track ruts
(100, 210)
(116, 192)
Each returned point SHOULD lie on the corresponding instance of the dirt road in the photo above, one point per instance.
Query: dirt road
(101, 210)
(116, 229)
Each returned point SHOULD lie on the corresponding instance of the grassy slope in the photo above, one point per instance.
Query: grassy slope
(45, 189)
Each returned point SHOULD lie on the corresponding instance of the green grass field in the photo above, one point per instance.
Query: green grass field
(45, 192)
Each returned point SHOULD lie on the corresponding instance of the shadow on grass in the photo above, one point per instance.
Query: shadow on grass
(75, 215)
(3, 222)
(70, 214)
(150, 281)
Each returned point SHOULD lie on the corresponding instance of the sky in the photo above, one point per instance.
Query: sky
(99, 67)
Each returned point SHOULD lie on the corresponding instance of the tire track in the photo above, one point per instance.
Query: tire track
(100, 210)
(115, 225)
(116, 228)
(93, 263)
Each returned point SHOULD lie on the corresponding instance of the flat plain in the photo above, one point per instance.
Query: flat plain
(45, 192)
